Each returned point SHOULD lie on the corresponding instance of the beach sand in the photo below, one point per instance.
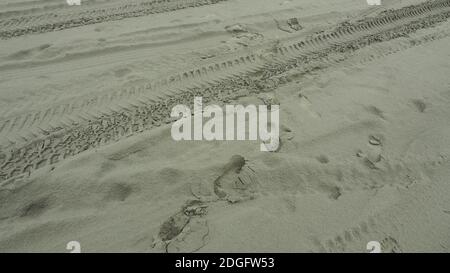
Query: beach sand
(86, 152)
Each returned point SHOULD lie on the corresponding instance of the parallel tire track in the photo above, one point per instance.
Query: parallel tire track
(55, 118)
(262, 74)
(52, 21)
(191, 78)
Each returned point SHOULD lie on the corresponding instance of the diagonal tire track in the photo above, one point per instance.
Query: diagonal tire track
(70, 18)
(264, 73)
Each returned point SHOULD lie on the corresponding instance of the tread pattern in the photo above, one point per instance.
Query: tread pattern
(70, 18)
(256, 74)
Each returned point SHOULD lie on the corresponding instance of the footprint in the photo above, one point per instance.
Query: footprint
(185, 231)
(118, 192)
(375, 111)
(36, 207)
(372, 157)
(171, 228)
(192, 238)
(286, 133)
(294, 24)
(236, 183)
(420, 105)
(323, 159)
(333, 191)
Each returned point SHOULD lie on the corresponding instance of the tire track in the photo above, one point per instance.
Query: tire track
(28, 8)
(70, 18)
(134, 94)
(358, 235)
(265, 73)
(62, 115)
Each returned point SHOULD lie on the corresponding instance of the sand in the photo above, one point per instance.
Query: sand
(86, 152)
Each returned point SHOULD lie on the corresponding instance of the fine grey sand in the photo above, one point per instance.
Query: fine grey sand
(86, 152)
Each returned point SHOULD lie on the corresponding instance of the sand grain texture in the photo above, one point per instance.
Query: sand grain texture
(86, 152)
